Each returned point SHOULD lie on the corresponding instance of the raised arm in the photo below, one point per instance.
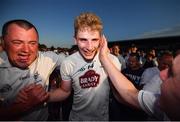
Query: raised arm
(124, 87)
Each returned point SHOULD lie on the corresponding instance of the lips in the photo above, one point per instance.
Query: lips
(89, 53)
(24, 59)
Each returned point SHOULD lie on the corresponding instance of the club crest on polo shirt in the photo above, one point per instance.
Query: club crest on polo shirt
(89, 79)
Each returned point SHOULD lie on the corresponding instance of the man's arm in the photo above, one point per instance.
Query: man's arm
(60, 93)
(27, 98)
(124, 87)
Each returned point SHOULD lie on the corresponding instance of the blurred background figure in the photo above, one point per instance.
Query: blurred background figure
(151, 76)
(116, 50)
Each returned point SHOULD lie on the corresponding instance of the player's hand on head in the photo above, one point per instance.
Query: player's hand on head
(104, 50)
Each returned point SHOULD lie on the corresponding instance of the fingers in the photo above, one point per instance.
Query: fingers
(105, 44)
(29, 87)
(22, 97)
(103, 39)
(32, 94)
(104, 50)
(38, 94)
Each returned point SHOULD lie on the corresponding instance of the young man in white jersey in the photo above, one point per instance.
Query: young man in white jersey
(162, 106)
(83, 72)
(24, 73)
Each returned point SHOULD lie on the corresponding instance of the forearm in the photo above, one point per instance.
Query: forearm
(58, 95)
(124, 87)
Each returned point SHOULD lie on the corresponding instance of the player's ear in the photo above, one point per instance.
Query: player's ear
(75, 40)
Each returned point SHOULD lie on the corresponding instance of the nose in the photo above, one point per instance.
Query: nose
(89, 45)
(25, 48)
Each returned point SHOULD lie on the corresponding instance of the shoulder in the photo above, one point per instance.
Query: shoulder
(50, 54)
(71, 60)
(73, 57)
(113, 58)
(51, 57)
(116, 61)
(3, 57)
(151, 70)
(69, 64)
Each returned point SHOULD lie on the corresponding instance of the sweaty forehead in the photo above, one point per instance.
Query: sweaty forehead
(87, 32)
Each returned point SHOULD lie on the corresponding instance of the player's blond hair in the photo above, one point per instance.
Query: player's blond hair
(88, 20)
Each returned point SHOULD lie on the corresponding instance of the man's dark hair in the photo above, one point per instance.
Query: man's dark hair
(136, 55)
(20, 22)
(165, 53)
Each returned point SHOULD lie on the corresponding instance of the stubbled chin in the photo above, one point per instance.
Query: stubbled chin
(88, 58)
(25, 66)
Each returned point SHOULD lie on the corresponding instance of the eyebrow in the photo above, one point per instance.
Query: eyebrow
(82, 38)
(94, 39)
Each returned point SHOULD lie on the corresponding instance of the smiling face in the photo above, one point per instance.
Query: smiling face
(21, 45)
(87, 34)
(88, 43)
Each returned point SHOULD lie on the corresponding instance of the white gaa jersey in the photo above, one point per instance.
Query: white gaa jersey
(13, 79)
(91, 87)
(149, 103)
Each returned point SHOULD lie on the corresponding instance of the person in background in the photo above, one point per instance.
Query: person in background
(83, 72)
(149, 61)
(117, 52)
(142, 58)
(162, 106)
(134, 48)
(24, 73)
(154, 54)
(150, 76)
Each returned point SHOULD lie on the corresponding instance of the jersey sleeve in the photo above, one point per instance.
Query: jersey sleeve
(149, 103)
(65, 70)
(57, 58)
